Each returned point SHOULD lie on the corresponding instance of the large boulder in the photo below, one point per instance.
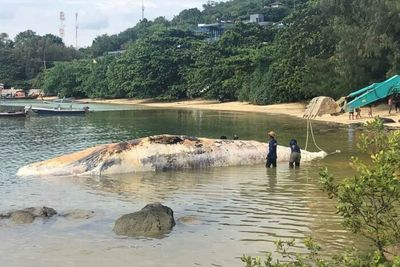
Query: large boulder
(41, 212)
(154, 220)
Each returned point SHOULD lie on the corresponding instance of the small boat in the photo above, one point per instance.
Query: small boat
(21, 97)
(58, 111)
(64, 100)
(13, 114)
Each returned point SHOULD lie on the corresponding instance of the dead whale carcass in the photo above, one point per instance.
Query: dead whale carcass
(158, 153)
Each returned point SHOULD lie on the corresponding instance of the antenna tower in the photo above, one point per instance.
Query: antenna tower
(142, 9)
(62, 25)
(76, 30)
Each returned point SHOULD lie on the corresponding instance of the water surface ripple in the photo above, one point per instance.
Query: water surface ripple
(232, 210)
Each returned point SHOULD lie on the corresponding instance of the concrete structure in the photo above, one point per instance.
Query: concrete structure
(116, 53)
(1, 86)
(214, 30)
(260, 20)
(275, 5)
(257, 18)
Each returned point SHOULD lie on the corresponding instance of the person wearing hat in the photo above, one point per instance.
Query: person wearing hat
(272, 155)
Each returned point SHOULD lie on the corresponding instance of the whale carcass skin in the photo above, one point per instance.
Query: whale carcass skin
(159, 153)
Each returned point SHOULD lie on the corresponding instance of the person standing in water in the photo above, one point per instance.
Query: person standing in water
(295, 154)
(272, 155)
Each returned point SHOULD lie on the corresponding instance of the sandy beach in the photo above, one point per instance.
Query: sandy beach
(290, 109)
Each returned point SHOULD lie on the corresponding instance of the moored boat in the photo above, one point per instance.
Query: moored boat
(13, 114)
(60, 111)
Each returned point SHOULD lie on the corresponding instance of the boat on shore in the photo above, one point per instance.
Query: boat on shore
(20, 97)
(64, 100)
(58, 111)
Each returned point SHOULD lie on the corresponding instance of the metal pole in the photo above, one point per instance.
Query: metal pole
(44, 53)
(142, 10)
(76, 30)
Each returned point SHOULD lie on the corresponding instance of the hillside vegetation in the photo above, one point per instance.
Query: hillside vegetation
(325, 47)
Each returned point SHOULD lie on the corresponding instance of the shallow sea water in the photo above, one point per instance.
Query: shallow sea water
(231, 211)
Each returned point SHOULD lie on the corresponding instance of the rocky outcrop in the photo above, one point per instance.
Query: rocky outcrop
(158, 153)
(154, 220)
(189, 220)
(22, 217)
(28, 215)
(78, 214)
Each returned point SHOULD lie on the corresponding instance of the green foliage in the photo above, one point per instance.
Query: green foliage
(313, 258)
(329, 47)
(188, 19)
(66, 79)
(223, 69)
(239, 10)
(105, 43)
(291, 69)
(369, 202)
(318, 47)
(24, 58)
(368, 45)
(155, 66)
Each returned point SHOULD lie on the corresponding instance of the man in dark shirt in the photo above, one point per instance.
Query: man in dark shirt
(272, 155)
(295, 154)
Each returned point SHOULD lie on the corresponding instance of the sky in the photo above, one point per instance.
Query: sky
(95, 17)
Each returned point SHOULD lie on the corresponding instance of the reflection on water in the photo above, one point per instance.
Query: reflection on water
(239, 209)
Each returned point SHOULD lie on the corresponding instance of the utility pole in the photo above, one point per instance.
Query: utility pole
(44, 57)
(62, 25)
(142, 10)
(76, 30)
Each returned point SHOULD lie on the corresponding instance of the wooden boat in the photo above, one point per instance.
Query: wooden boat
(13, 114)
(20, 97)
(64, 100)
(58, 111)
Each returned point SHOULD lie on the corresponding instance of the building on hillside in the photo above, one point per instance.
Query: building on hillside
(256, 18)
(214, 30)
(1, 86)
(275, 5)
(260, 20)
(116, 53)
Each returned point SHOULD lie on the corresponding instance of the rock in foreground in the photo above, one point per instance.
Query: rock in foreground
(29, 215)
(154, 220)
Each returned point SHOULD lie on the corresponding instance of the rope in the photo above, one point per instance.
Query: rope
(307, 134)
(311, 130)
(312, 135)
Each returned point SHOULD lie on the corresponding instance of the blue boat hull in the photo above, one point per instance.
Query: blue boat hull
(15, 114)
(56, 112)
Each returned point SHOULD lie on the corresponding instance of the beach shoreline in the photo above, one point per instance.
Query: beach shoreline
(289, 109)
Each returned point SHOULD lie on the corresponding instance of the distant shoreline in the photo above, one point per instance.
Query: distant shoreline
(290, 109)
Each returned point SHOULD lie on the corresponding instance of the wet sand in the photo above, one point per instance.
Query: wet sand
(290, 109)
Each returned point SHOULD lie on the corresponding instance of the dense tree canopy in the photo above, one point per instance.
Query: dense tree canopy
(23, 58)
(319, 47)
